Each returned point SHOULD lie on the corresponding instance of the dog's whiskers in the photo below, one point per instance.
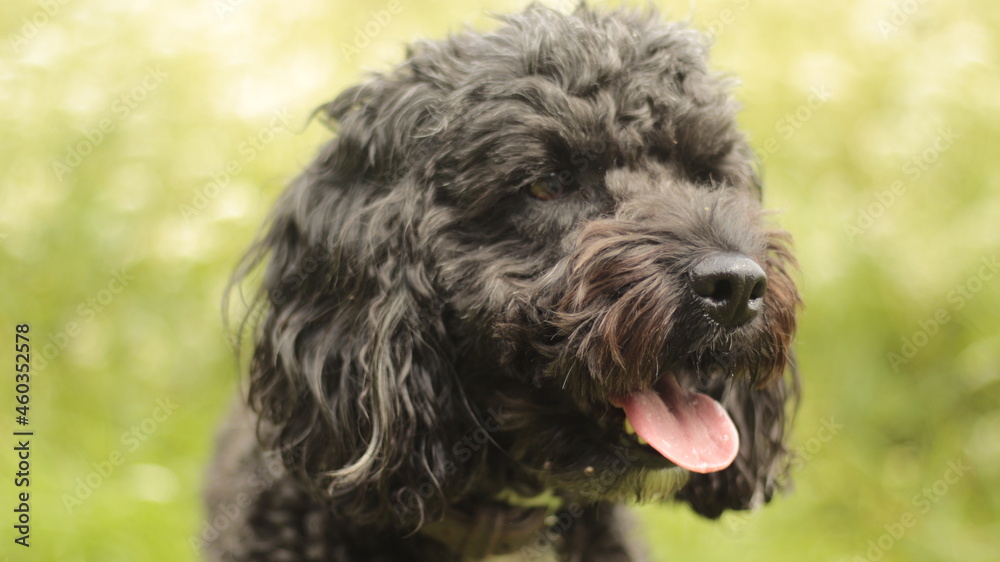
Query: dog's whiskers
(566, 380)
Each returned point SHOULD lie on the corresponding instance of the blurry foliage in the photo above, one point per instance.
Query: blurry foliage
(120, 120)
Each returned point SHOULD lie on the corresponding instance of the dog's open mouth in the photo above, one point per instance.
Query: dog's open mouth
(690, 429)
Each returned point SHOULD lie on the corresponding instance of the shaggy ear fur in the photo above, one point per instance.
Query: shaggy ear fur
(352, 374)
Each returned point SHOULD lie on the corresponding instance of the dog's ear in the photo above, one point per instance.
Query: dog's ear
(352, 372)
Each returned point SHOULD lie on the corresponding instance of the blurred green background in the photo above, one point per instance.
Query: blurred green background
(143, 142)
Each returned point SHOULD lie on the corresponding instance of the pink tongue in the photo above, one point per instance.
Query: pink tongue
(690, 429)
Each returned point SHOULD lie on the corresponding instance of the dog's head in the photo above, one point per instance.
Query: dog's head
(516, 242)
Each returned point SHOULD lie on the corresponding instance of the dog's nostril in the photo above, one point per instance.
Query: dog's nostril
(759, 288)
(731, 288)
(717, 290)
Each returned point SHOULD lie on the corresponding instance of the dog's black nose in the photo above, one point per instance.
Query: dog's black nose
(731, 288)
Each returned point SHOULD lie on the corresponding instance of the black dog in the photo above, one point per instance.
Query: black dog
(528, 280)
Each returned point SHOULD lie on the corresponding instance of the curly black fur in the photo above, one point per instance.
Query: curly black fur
(496, 245)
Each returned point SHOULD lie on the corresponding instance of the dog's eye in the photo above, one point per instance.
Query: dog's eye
(547, 189)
